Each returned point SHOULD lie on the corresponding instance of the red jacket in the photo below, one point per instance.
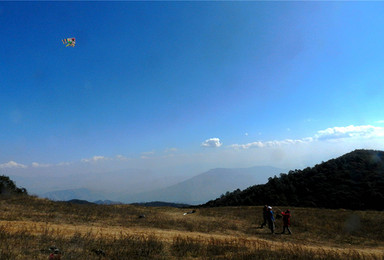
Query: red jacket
(54, 257)
(286, 218)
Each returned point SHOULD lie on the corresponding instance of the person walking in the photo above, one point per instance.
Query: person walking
(271, 220)
(286, 221)
(265, 216)
(55, 255)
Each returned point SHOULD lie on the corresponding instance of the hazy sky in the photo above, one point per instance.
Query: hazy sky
(189, 84)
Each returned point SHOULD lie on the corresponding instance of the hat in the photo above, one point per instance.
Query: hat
(269, 207)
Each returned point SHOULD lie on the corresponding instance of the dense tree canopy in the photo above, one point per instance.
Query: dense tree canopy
(352, 181)
(8, 187)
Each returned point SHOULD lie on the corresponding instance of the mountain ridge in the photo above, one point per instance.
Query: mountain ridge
(354, 181)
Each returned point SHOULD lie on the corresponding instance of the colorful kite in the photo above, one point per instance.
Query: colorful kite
(69, 42)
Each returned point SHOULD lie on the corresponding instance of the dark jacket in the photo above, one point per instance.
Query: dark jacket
(265, 212)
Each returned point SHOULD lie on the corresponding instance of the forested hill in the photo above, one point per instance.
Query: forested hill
(8, 187)
(352, 181)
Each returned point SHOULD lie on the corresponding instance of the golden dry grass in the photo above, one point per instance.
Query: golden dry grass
(29, 226)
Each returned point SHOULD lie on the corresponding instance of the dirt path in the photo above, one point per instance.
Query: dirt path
(68, 230)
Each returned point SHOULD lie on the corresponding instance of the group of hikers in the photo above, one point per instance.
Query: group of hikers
(269, 219)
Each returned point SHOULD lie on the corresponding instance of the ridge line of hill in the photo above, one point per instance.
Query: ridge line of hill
(352, 181)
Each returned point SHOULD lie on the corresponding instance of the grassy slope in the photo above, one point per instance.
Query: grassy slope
(29, 226)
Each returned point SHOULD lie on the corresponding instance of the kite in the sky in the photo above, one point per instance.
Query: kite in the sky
(69, 42)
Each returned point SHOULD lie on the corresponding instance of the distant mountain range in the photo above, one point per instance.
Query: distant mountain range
(145, 204)
(99, 202)
(161, 204)
(196, 190)
(107, 202)
(80, 202)
(47, 181)
(206, 186)
(74, 194)
(352, 181)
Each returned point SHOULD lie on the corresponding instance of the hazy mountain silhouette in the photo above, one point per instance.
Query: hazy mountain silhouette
(161, 204)
(74, 194)
(206, 186)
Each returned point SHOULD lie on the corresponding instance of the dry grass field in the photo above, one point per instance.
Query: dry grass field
(30, 226)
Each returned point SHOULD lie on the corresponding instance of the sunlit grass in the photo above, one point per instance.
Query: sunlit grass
(29, 226)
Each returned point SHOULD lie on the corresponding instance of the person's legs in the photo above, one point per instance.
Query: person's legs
(289, 231)
(271, 226)
(264, 223)
(283, 230)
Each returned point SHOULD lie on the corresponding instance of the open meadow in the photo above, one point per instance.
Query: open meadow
(30, 226)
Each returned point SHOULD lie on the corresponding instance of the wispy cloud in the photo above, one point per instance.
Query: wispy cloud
(147, 155)
(12, 164)
(212, 142)
(333, 133)
(363, 131)
(64, 163)
(275, 143)
(380, 122)
(94, 159)
(40, 165)
(122, 157)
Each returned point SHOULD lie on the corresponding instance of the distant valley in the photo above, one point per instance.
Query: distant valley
(196, 190)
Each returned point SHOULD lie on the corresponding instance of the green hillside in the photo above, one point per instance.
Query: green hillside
(352, 181)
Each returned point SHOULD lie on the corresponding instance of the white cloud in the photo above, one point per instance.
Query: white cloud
(147, 155)
(40, 165)
(212, 142)
(275, 143)
(333, 133)
(94, 159)
(363, 131)
(380, 122)
(246, 134)
(64, 163)
(12, 164)
(121, 157)
(248, 145)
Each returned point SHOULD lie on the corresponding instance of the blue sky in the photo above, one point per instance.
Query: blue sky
(166, 84)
